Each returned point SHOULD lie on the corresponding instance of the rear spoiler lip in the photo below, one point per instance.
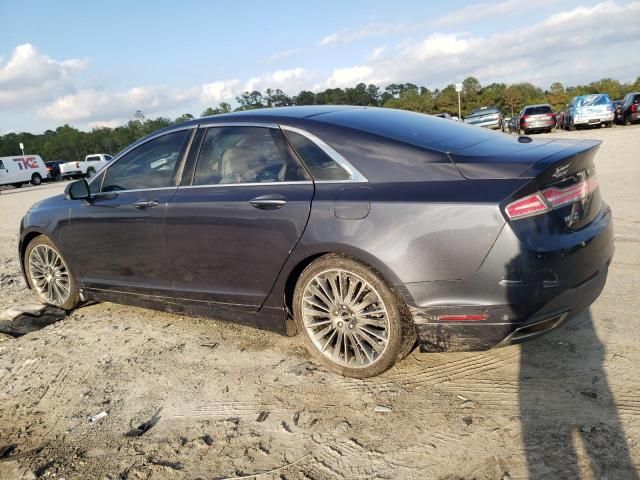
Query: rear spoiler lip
(568, 154)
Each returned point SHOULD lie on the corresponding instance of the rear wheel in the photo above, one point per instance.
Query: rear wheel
(627, 119)
(36, 179)
(49, 275)
(350, 320)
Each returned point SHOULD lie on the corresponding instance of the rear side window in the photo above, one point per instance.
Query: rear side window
(318, 162)
(95, 158)
(2, 167)
(151, 165)
(232, 155)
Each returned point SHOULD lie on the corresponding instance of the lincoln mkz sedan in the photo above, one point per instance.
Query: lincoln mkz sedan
(365, 230)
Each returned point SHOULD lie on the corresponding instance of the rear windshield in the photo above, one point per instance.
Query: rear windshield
(538, 110)
(589, 100)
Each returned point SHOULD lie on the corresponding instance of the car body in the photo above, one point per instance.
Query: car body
(536, 118)
(88, 167)
(588, 111)
(53, 168)
(22, 169)
(488, 117)
(617, 104)
(483, 239)
(629, 110)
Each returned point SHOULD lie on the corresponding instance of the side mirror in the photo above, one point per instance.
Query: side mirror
(78, 190)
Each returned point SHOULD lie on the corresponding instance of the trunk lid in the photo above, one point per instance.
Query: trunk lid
(561, 170)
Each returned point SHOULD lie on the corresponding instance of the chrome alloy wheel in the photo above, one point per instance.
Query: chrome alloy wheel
(345, 318)
(49, 274)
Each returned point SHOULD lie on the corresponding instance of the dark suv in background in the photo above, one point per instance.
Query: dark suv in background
(630, 109)
(537, 118)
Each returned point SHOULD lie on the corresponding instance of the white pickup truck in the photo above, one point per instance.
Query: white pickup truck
(91, 165)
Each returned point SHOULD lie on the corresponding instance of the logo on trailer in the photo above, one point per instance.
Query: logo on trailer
(26, 163)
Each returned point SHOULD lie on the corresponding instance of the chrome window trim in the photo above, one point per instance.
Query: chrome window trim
(137, 144)
(239, 124)
(116, 192)
(356, 176)
(251, 184)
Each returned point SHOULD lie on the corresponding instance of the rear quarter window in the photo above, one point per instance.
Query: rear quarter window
(318, 162)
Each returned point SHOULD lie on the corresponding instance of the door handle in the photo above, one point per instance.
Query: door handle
(141, 204)
(268, 202)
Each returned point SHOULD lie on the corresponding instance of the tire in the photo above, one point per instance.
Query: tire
(627, 120)
(387, 314)
(40, 264)
(36, 179)
(91, 172)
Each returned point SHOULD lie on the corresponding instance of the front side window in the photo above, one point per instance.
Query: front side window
(318, 162)
(232, 155)
(151, 165)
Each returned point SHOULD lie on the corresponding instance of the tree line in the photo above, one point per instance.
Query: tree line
(69, 143)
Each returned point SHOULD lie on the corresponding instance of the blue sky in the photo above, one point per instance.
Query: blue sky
(96, 63)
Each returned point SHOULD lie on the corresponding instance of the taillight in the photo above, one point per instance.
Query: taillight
(633, 108)
(550, 198)
(523, 119)
(526, 207)
(558, 197)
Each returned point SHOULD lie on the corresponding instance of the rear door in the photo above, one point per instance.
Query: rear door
(237, 215)
(118, 237)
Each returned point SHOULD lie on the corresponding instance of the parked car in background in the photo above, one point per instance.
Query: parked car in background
(363, 230)
(19, 170)
(489, 117)
(617, 109)
(53, 168)
(630, 108)
(91, 165)
(536, 118)
(589, 111)
(506, 123)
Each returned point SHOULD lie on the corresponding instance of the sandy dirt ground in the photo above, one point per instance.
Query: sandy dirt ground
(192, 398)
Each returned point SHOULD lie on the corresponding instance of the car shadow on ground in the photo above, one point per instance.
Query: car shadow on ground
(571, 425)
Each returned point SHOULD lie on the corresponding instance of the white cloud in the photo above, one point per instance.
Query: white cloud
(95, 105)
(347, 77)
(559, 47)
(291, 80)
(377, 53)
(480, 11)
(276, 57)
(219, 91)
(30, 76)
(348, 35)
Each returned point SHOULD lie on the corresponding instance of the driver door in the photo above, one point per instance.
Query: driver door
(118, 237)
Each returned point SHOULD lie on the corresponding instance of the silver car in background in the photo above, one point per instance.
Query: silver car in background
(489, 117)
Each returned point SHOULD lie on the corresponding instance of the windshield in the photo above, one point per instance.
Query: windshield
(589, 100)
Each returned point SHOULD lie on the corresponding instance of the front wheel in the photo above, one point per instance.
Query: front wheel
(36, 179)
(350, 320)
(49, 275)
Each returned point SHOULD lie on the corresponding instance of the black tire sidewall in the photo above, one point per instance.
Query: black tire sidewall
(400, 327)
(74, 296)
(36, 179)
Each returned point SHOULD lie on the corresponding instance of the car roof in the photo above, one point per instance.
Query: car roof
(538, 105)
